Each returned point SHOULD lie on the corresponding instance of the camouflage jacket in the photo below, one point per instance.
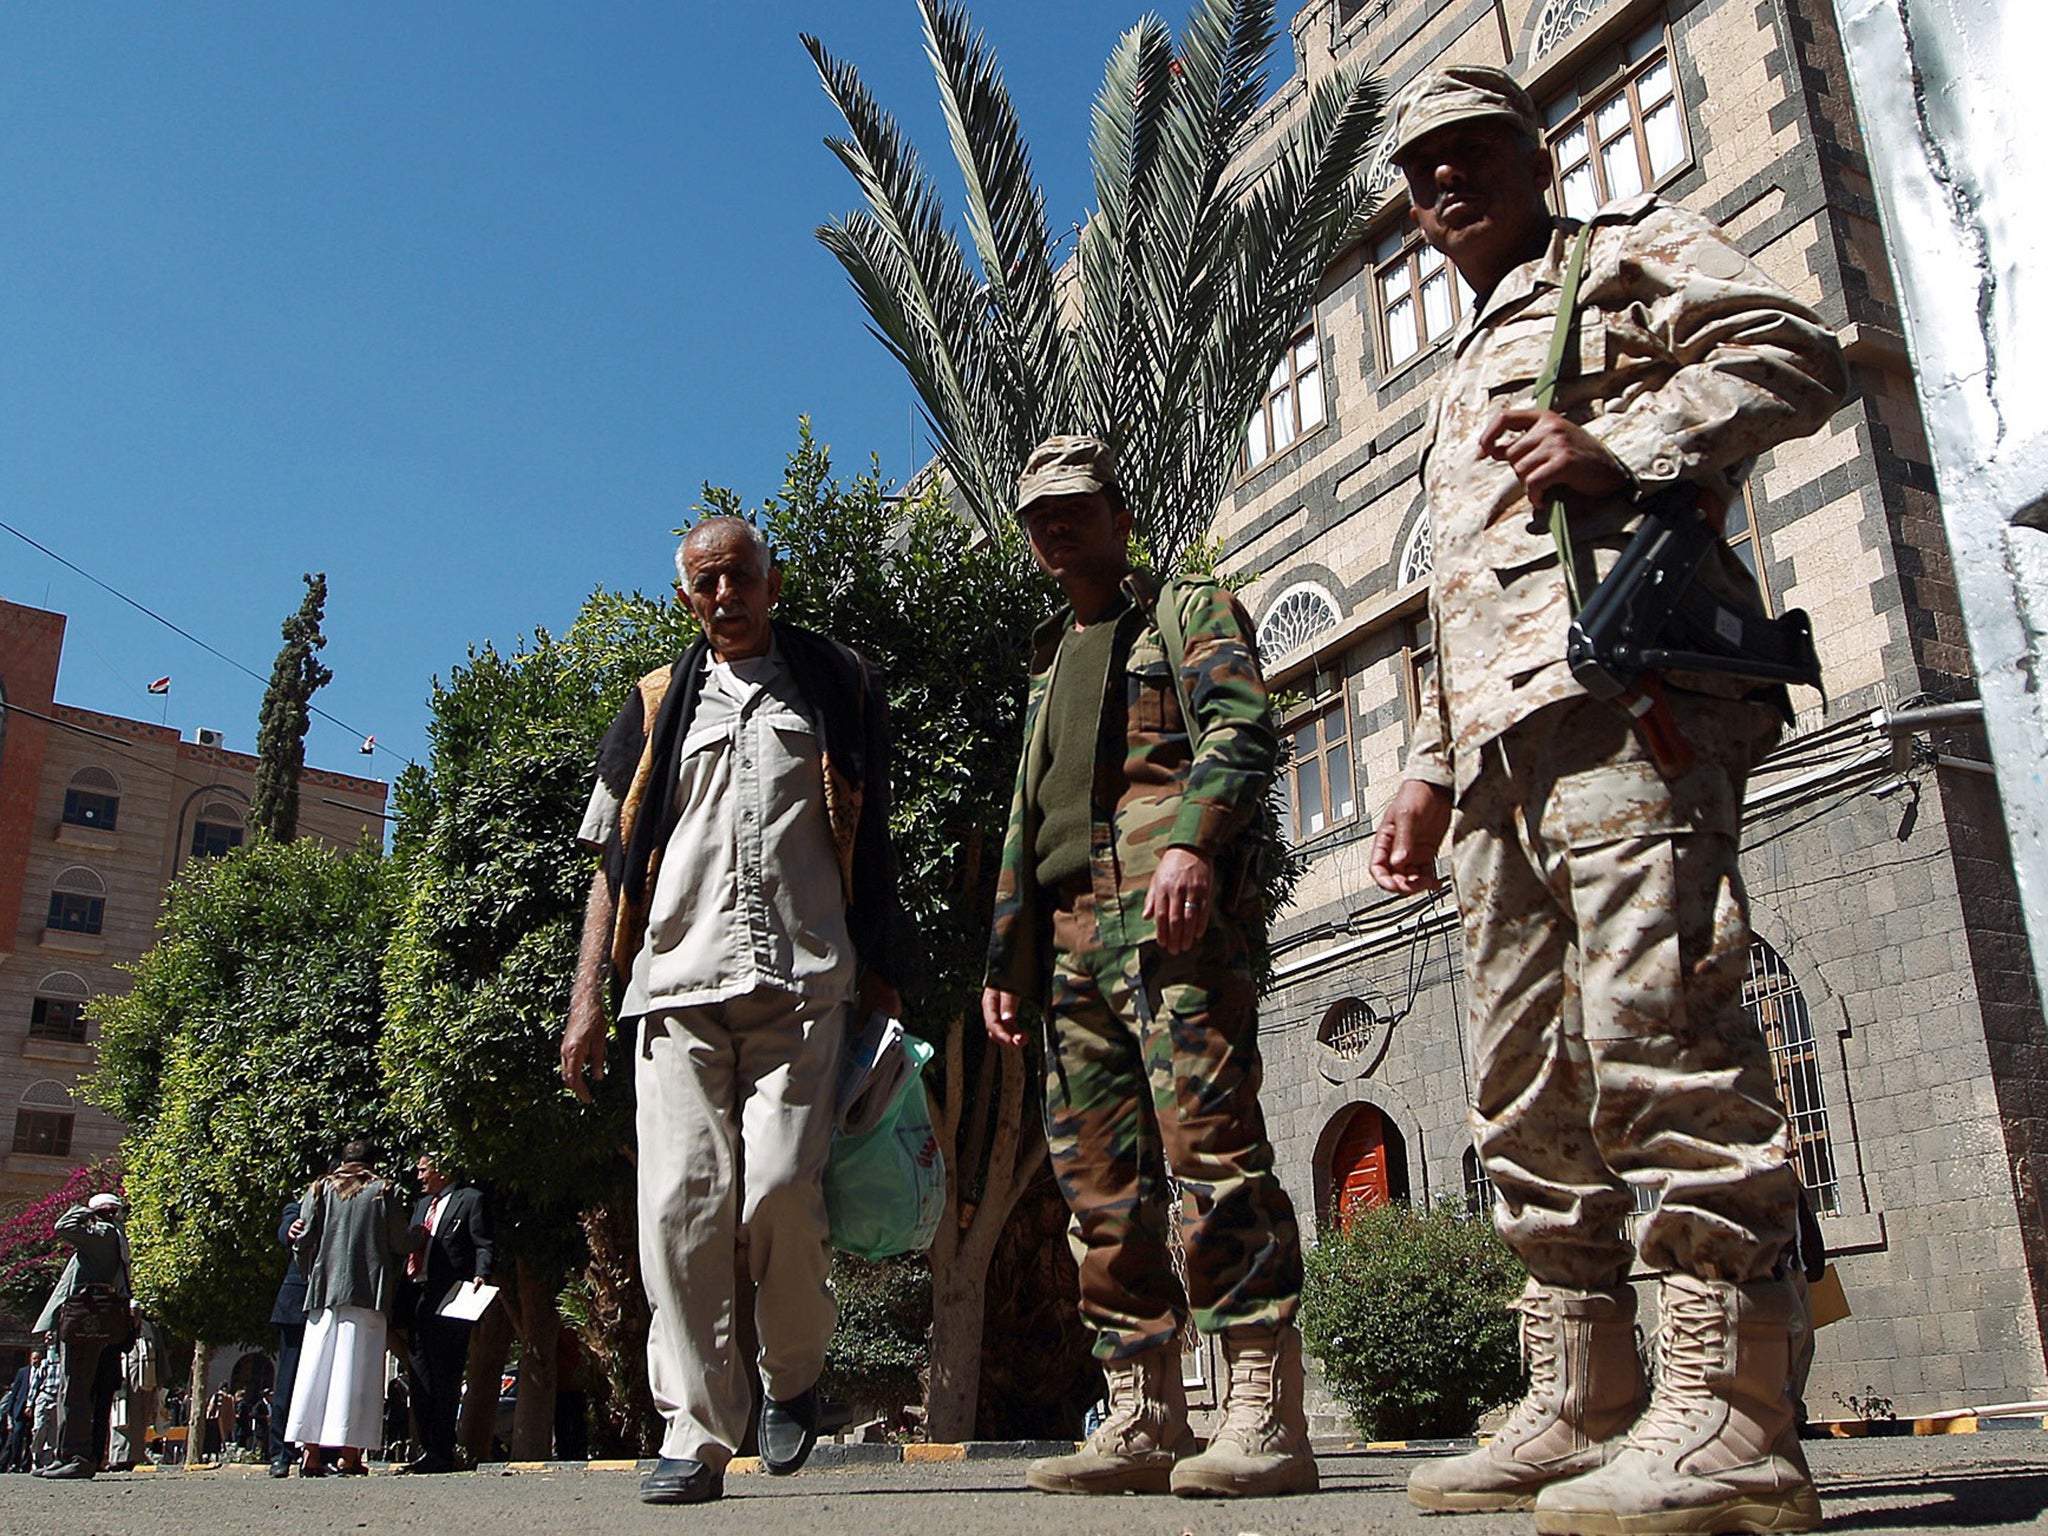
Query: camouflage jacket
(1688, 362)
(1151, 791)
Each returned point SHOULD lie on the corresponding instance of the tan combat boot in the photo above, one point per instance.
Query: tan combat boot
(1134, 1447)
(1586, 1388)
(1718, 1448)
(1261, 1447)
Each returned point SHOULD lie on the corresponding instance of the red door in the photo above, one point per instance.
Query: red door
(1358, 1166)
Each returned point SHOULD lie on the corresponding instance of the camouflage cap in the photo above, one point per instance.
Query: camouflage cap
(1458, 94)
(1066, 466)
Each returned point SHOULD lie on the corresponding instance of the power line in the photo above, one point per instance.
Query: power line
(180, 630)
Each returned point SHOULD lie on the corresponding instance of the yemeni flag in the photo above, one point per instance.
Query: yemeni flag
(161, 685)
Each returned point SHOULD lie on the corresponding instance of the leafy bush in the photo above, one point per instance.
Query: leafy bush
(878, 1350)
(1407, 1312)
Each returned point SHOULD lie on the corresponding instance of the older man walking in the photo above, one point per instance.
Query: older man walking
(1596, 860)
(1125, 908)
(746, 901)
(89, 1313)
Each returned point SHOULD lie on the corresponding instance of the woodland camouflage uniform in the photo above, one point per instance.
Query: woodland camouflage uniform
(1152, 1053)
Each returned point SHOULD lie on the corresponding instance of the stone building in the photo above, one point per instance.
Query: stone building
(1890, 972)
(97, 814)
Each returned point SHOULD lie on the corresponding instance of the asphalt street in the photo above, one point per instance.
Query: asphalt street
(1989, 1484)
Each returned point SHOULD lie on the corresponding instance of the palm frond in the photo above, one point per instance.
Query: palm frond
(1005, 213)
(934, 311)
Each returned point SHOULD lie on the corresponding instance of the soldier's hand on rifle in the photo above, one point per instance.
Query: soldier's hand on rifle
(1548, 453)
(999, 1016)
(1404, 848)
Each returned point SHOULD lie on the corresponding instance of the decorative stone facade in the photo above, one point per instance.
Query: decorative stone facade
(1892, 973)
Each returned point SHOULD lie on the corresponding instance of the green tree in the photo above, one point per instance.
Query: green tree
(1190, 277)
(295, 677)
(241, 1058)
(481, 961)
(1407, 1314)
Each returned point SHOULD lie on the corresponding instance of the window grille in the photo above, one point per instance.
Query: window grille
(1479, 1192)
(1300, 614)
(1774, 1000)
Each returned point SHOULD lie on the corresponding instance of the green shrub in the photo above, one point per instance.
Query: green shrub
(1407, 1314)
(878, 1350)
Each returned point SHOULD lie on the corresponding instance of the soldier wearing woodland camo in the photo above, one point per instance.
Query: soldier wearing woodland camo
(1123, 909)
(1606, 926)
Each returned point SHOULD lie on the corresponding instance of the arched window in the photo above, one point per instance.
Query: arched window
(1297, 616)
(78, 902)
(1559, 20)
(1418, 556)
(218, 830)
(1479, 1195)
(58, 1012)
(43, 1122)
(92, 799)
(1774, 1000)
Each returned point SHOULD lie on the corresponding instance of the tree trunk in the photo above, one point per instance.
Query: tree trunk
(961, 1251)
(533, 1421)
(616, 1338)
(195, 1415)
(490, 1341)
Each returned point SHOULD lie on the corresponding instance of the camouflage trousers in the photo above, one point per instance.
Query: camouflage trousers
(1606, 938)
(1154, 1066)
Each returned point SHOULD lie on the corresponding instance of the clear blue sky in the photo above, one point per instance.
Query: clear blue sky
(459, 303)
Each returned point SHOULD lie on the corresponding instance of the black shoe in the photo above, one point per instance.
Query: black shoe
(280, 1466)
(76, 1467)
(678, 1481)
(428, 1463)
(788, 1431)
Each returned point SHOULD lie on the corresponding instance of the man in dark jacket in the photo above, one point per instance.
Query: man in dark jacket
(451, 1238)
(747, 907)
(288, 1316)
(16, 1418)
(97, 1273)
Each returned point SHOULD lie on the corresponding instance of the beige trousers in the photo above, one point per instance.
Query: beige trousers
(1606, 936)
(736, 1103)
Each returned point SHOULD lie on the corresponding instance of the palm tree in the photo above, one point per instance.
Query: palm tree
(1186, 285)
(1188, 279)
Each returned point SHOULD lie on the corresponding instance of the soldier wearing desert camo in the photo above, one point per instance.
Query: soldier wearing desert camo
(1606, 926)
(1123, 909)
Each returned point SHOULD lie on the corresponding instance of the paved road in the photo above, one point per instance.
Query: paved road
(1988, 1484)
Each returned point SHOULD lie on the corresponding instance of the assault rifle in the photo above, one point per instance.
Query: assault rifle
(1653, 614)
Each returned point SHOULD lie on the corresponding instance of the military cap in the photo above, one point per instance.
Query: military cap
(1066, 466)
(1459, 93)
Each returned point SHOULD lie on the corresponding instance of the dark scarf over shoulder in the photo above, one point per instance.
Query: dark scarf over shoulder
(641, 767)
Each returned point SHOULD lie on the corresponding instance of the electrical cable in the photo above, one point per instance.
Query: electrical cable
(177, 629)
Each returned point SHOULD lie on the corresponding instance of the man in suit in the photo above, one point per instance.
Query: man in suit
(451, 1246)
(17, 1418)
(288, 1316)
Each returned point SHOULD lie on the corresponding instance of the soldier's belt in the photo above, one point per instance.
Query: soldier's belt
(1652, 613)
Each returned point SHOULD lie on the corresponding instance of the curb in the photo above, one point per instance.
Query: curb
(830, 1454)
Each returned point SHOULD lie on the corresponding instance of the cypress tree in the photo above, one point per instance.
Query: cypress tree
(281, 732)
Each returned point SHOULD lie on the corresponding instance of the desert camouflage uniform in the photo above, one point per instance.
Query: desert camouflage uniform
(1155, 1054)
(1605, 921)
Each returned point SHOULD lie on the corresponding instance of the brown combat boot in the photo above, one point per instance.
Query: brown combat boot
(1718, 1448)
(1261, 1447)
(1134, 1447)
(1586, 1388)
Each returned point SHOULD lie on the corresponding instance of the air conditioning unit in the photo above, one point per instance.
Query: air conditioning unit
(206, 736)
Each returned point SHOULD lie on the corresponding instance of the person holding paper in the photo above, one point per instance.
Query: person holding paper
(451, 1249)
